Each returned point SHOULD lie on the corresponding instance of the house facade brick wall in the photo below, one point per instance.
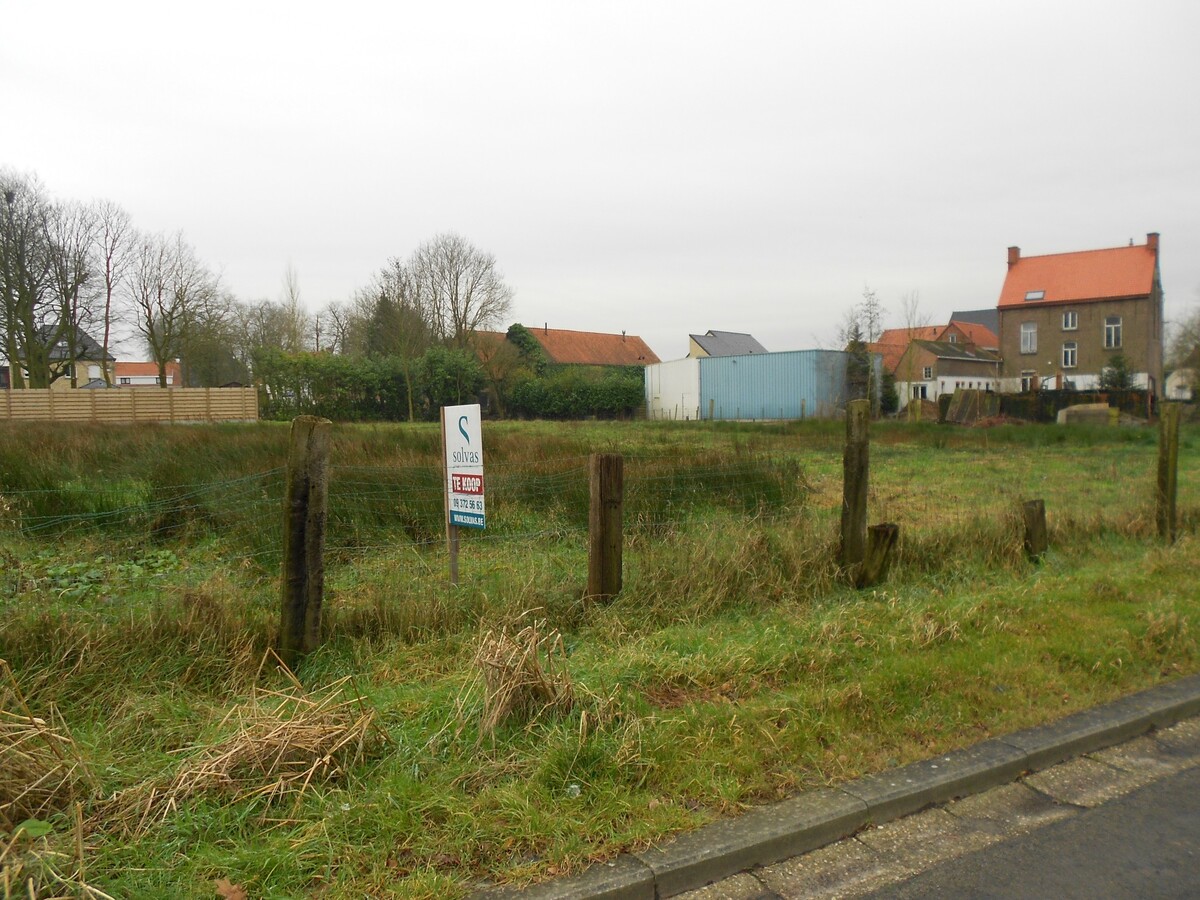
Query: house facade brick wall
(1141, 342)
(1064, 317)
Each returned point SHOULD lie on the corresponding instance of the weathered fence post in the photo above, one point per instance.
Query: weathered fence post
(855, 465)
(607, 477)
(881, 541)
(1168, 471)
(304, 538)
(1037, 540)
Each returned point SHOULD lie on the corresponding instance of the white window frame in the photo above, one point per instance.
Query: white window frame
(1027, 376)
(1029, 337)
(927, 372)
(1070, 354)
(1070, 320)
(1113, 327)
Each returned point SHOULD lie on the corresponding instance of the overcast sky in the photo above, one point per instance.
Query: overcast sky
(658, 168)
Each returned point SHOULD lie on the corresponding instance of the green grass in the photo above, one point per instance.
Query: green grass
(734, 668)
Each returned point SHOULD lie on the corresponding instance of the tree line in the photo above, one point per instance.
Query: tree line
(418, 335)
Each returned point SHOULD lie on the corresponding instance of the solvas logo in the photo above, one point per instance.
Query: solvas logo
(465, 455)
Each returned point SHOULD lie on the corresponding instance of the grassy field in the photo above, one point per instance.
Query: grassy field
(149, 747)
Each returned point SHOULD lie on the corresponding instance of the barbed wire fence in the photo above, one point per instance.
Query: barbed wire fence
(376, 508)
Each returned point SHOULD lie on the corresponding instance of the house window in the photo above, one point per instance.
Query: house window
(953, 338)
(1070, 320)
(1112, 332)
(1070, 354)
(1029, 337)
(919, 392)
(1028, 377)
(927, 372)
(125, 381)
(1035, 295)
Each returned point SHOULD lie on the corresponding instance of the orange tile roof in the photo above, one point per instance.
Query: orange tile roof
(130, 369)
(891, 353)
(1081, 276)
(591, 348)
(980, 335)
(904, 335)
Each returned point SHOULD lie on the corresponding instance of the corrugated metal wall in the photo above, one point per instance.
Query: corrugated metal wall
(799, 384)
(794, 385)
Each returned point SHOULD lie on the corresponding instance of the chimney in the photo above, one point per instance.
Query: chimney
(622, 335)
(1152, 241)
(545, 328)
(1014, 254)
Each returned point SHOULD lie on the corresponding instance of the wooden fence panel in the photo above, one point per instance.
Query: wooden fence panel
(131, 404)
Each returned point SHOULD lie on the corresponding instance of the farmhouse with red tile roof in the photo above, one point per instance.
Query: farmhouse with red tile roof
(1065, 316)
(592, 348)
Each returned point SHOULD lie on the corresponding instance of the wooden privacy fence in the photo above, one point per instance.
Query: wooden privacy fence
(131, 404)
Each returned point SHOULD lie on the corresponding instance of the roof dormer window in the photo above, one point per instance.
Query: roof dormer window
(1035, 295)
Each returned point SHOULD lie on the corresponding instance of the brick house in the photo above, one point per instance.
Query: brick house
(1065, 316)
(928, 369)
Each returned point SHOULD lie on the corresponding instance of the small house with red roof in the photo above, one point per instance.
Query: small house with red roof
(145, 374)
(929, 360)
(1065, 316)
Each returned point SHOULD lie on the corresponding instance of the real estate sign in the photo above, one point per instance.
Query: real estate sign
(462, 439)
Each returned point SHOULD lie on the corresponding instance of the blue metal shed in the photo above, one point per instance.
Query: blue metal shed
(797, 384)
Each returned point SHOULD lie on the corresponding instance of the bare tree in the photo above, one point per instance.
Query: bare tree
(295, 337)
(870, 315)
(26, 280)
(1184, 350)
(914, 321)
(114, 244)
(459, 287)
(209, 345)
(401, 322)
(167, 286)
(70, 233)
(336, 325)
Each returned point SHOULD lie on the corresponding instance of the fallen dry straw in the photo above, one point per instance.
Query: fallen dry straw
(40, 767)
(523, 675)
(276, 746)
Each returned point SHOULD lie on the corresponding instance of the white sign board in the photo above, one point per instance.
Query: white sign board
(462, 438)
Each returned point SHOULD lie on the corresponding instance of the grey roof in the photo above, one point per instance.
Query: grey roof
(947, 350)
(87, 347)
(988, 318)
(727, 343)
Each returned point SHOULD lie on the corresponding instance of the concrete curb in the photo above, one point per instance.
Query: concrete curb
(813, 819)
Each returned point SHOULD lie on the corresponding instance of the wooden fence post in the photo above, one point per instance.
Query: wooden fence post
(1037, 540)
(607, 476)
(881, 541)
(855, 472)
(1168, 471)
(304, 538)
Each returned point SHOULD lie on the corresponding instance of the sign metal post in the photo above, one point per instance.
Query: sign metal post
(462, 467)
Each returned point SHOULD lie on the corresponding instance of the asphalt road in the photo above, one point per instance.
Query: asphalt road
(1143, 845)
